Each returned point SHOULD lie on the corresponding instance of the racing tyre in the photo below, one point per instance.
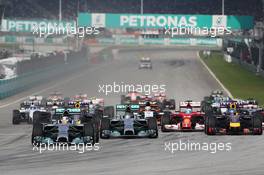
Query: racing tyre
(37, 131)
(89, 130)
(41, 117)
(105, 125)
(165, 120)
(172, 104)
(152, 125)
(257, 124)
(203, 106)
(30, 121)
(16, 117)
(206, 118)
(85, 117)
(206, 98)
(96, 122)
(211, 122)
(205, 124)
(109, 111)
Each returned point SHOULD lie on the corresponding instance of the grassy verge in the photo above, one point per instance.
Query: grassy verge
(239, 81)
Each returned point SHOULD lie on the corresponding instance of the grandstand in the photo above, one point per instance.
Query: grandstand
(49, 9)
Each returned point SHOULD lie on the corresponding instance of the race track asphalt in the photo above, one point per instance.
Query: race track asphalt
(184, 77)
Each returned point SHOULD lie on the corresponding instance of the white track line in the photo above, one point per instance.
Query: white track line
(214, 76)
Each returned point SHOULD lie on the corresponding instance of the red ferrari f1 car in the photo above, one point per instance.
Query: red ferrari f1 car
(189, 118)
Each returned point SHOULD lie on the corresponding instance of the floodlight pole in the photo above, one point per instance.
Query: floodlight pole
(142, 7)
(3, 14)
(260, 57)
(223, 7)
(78, 7)
(259, 36)
(60, 16)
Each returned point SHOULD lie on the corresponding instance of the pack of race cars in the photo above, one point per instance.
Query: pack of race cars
(84, 120)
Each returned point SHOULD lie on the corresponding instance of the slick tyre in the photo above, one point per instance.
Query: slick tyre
(30, 121)
(109, 111)
(257, 124)
(41, 117)
(152, 125)
(172, 104)
(205, 123)
(37, 131)
(89, 130)
(165, 120)
(16, 117)
(105, 125)
(211, 125)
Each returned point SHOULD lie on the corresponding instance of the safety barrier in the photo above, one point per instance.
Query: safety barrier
(27, 80)
(206, 42)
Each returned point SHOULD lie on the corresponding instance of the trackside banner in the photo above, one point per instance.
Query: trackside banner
(10, 25)
(163, 20)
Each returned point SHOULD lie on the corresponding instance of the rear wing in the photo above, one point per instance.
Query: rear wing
(233, 104)
(35, 98)
(122, 107)
(29, 102)
(78, 104)
(191, 104)
(71, 111)
(54, 103)
(98, 101)
(143, 103)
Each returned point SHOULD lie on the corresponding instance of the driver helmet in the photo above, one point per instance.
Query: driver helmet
(127, 112)
(147, 108)
(188, 111)
(64, 120)
(91, 105)
(127, 116)
(233, 112)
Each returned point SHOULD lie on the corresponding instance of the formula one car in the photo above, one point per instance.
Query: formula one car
(218, 93)
(55, 100)
(67, 129)
(92, 105)
(81, 97)
(165, 104)
(189, 118)
(151, 108)
(27, 109)
(233, 121)
(251, 106)
(145, 63)
(214, 100)
(132, 97)
(128, 123)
